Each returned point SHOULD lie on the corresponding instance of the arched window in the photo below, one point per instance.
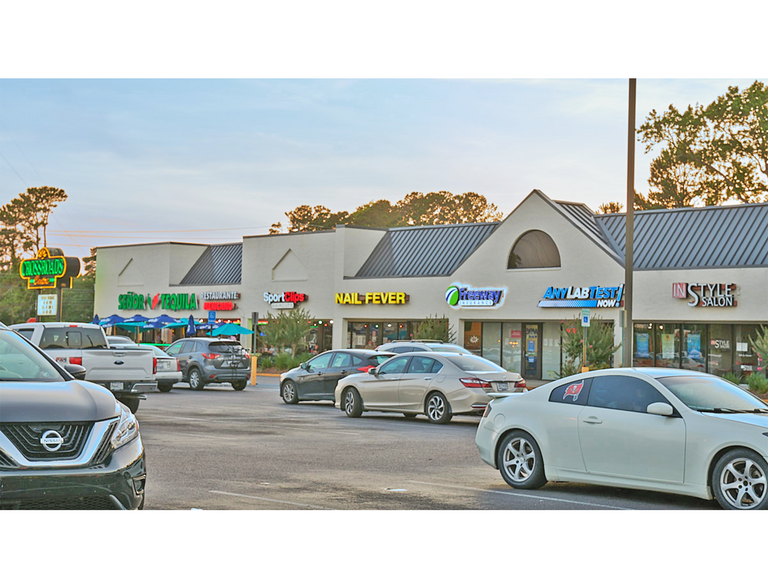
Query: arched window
(534, 249)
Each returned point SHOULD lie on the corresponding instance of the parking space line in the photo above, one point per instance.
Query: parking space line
(522, 495)
(271, 500)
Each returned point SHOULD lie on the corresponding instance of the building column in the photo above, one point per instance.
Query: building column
(618, 338)
(340, 327)
(456, 326)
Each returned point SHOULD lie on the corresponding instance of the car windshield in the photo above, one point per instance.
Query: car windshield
(226, 347)
(21, 362)
(711, 394)
(473, 363)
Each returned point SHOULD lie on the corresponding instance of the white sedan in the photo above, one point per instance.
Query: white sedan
(669, 430)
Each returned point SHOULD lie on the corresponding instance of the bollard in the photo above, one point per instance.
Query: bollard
(254, 363)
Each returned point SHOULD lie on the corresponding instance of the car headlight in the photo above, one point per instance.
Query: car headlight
(127, 429)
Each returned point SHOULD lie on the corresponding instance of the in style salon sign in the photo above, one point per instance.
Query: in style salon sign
(722, 295)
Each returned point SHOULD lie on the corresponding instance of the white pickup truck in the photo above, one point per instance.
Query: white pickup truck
(127, 373)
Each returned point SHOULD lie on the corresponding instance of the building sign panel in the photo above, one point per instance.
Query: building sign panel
(50, 266)
(225, 305)
(219, 296)
(465, 296)
(722, 295)
(46, 304)
(134, 301)
(372, 298)
(583, 297)
(285, 300)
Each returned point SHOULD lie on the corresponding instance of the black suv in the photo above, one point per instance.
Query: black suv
(207, 360)
(64, 443)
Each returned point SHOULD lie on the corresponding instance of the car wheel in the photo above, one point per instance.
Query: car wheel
(438, 409)
(240, 384)
(740, 481)
(353, 404)
(165, 387)
(519, 460)
(289, 393)
(132, 404)
(196, 379)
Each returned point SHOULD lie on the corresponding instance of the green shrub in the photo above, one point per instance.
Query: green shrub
(731, 377)
(283, 361)
(757, 383)
(266, 362)
(600, 346)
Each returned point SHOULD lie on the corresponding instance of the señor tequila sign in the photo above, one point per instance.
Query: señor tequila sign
(50, 266)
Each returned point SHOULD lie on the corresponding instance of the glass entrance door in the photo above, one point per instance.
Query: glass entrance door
(532, 352)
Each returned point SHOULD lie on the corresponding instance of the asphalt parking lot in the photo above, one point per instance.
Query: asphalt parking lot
(219, 449)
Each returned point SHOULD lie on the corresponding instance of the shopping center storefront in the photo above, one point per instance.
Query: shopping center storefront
(506, 289)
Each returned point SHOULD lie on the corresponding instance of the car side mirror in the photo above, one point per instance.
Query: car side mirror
(304, 366)
(77, 371)
(660, 408)
(372, 371)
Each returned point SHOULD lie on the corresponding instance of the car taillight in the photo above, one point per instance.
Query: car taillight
(521, 384)
(76, 360)
(154, 365)
(365, 368)
(246, 355)
(211, 355)
(178, 366)
(474, 383)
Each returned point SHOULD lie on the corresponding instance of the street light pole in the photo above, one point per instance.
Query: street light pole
(630, 228)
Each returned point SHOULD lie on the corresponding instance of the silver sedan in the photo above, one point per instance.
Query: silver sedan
(438, 385)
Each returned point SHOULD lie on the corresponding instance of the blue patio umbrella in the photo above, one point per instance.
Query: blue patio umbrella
(136, 318)
(191, 329)
(111, 320)
(95, 319)
(231, 329)
(158, 322)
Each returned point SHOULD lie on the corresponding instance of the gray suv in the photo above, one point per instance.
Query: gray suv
(207, 360)
(64, 443)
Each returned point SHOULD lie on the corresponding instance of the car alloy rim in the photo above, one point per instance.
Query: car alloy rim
(436, 408)
(349, 402)
(743, 483)
(519, 459)
(288, 391)
(194, 379)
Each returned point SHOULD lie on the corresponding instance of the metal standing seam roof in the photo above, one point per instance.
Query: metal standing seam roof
(711, 237)
(424, 251)
(218, 265)
(584, 219)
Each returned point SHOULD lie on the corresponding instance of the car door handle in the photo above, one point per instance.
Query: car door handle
(428, 378)
(592, 420)
(342, 372)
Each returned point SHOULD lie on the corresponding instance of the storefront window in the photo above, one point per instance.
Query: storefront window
(389, 332)
(644, 350)
(745, 358)
(550, 351)
(667, 345)
(473, 332)
(693, 351)
(492, 342)
(720, 349)
(512, 337)
(357, 335)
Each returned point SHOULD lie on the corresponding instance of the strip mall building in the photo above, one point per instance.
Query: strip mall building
(700, 282)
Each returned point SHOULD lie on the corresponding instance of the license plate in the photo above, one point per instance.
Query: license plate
(502, 386)
(116, 386)
(233, 363)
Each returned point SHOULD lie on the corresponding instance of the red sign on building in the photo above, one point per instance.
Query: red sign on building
(219, 306)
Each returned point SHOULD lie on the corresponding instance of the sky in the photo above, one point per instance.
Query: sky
(211, 160)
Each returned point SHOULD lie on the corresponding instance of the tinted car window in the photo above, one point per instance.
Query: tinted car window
(401, 349)
(72, 338)
(321, 361)
(421, 365)
(175, 348)
(26, 333)
(573, 393)
(709, 393)
(187, 347)
(20, 362)
(473, 363)
(436, 367)
(342, 360)
(378, 359)
(395, 366)
(623, 393)
(225, 347)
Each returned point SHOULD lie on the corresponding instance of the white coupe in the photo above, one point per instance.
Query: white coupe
(669, 430)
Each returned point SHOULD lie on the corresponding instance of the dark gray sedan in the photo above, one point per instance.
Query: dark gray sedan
(316, 379)
(64, 443)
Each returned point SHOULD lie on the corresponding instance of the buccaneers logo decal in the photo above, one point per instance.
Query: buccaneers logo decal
(573, 390)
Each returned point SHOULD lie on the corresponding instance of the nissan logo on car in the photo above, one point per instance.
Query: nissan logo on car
(51, 440)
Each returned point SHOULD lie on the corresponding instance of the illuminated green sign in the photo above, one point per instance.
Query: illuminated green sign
(48, 268)
(134, 301)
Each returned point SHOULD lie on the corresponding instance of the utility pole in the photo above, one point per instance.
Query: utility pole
(630, 228)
